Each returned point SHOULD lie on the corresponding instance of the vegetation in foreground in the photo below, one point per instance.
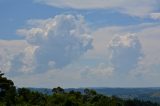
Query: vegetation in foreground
(10, 96)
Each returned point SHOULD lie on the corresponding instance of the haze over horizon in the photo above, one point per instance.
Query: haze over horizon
(80, 43)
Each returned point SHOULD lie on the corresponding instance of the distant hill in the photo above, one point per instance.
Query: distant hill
(146, 94)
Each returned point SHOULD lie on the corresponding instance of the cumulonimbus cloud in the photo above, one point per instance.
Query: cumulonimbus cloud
(58, 40)
(124, 52)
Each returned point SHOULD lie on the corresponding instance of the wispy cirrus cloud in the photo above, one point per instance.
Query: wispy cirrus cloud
(140, 8)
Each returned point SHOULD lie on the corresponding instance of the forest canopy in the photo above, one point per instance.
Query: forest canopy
(10, 96)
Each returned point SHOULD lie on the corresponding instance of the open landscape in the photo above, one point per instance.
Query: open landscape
(79, 53)
(12, 96)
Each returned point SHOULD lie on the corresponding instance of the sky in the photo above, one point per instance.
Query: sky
(80, 43)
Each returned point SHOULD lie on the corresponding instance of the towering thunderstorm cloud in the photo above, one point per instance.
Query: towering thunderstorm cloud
(58, 40)
(125, 52)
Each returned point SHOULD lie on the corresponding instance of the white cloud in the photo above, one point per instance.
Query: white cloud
(146, 69)
(70, 76)
(139, 8)
(24, 61)
(99, 72)
(149, 66)
(148, 36)
(117, 47)
(70, 37)
(59, 40)
(101, 38)
(124, 52)
(8, 50)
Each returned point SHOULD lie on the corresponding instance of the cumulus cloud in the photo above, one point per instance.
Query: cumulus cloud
(23, 62)
(124, 52)
(149, 66)
(132, 7)
(126, 47)
(58, 40)
(8, 51)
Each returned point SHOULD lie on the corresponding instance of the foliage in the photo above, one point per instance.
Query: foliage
(7, 90)
(25, 97)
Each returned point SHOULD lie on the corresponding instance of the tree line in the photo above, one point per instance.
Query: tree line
(10, 96)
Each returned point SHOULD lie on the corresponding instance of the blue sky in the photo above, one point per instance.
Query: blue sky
(80, 43)
(15, 13)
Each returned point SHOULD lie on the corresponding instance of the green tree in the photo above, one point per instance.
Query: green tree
(58, 90)
(24, 94)
(7, 90)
